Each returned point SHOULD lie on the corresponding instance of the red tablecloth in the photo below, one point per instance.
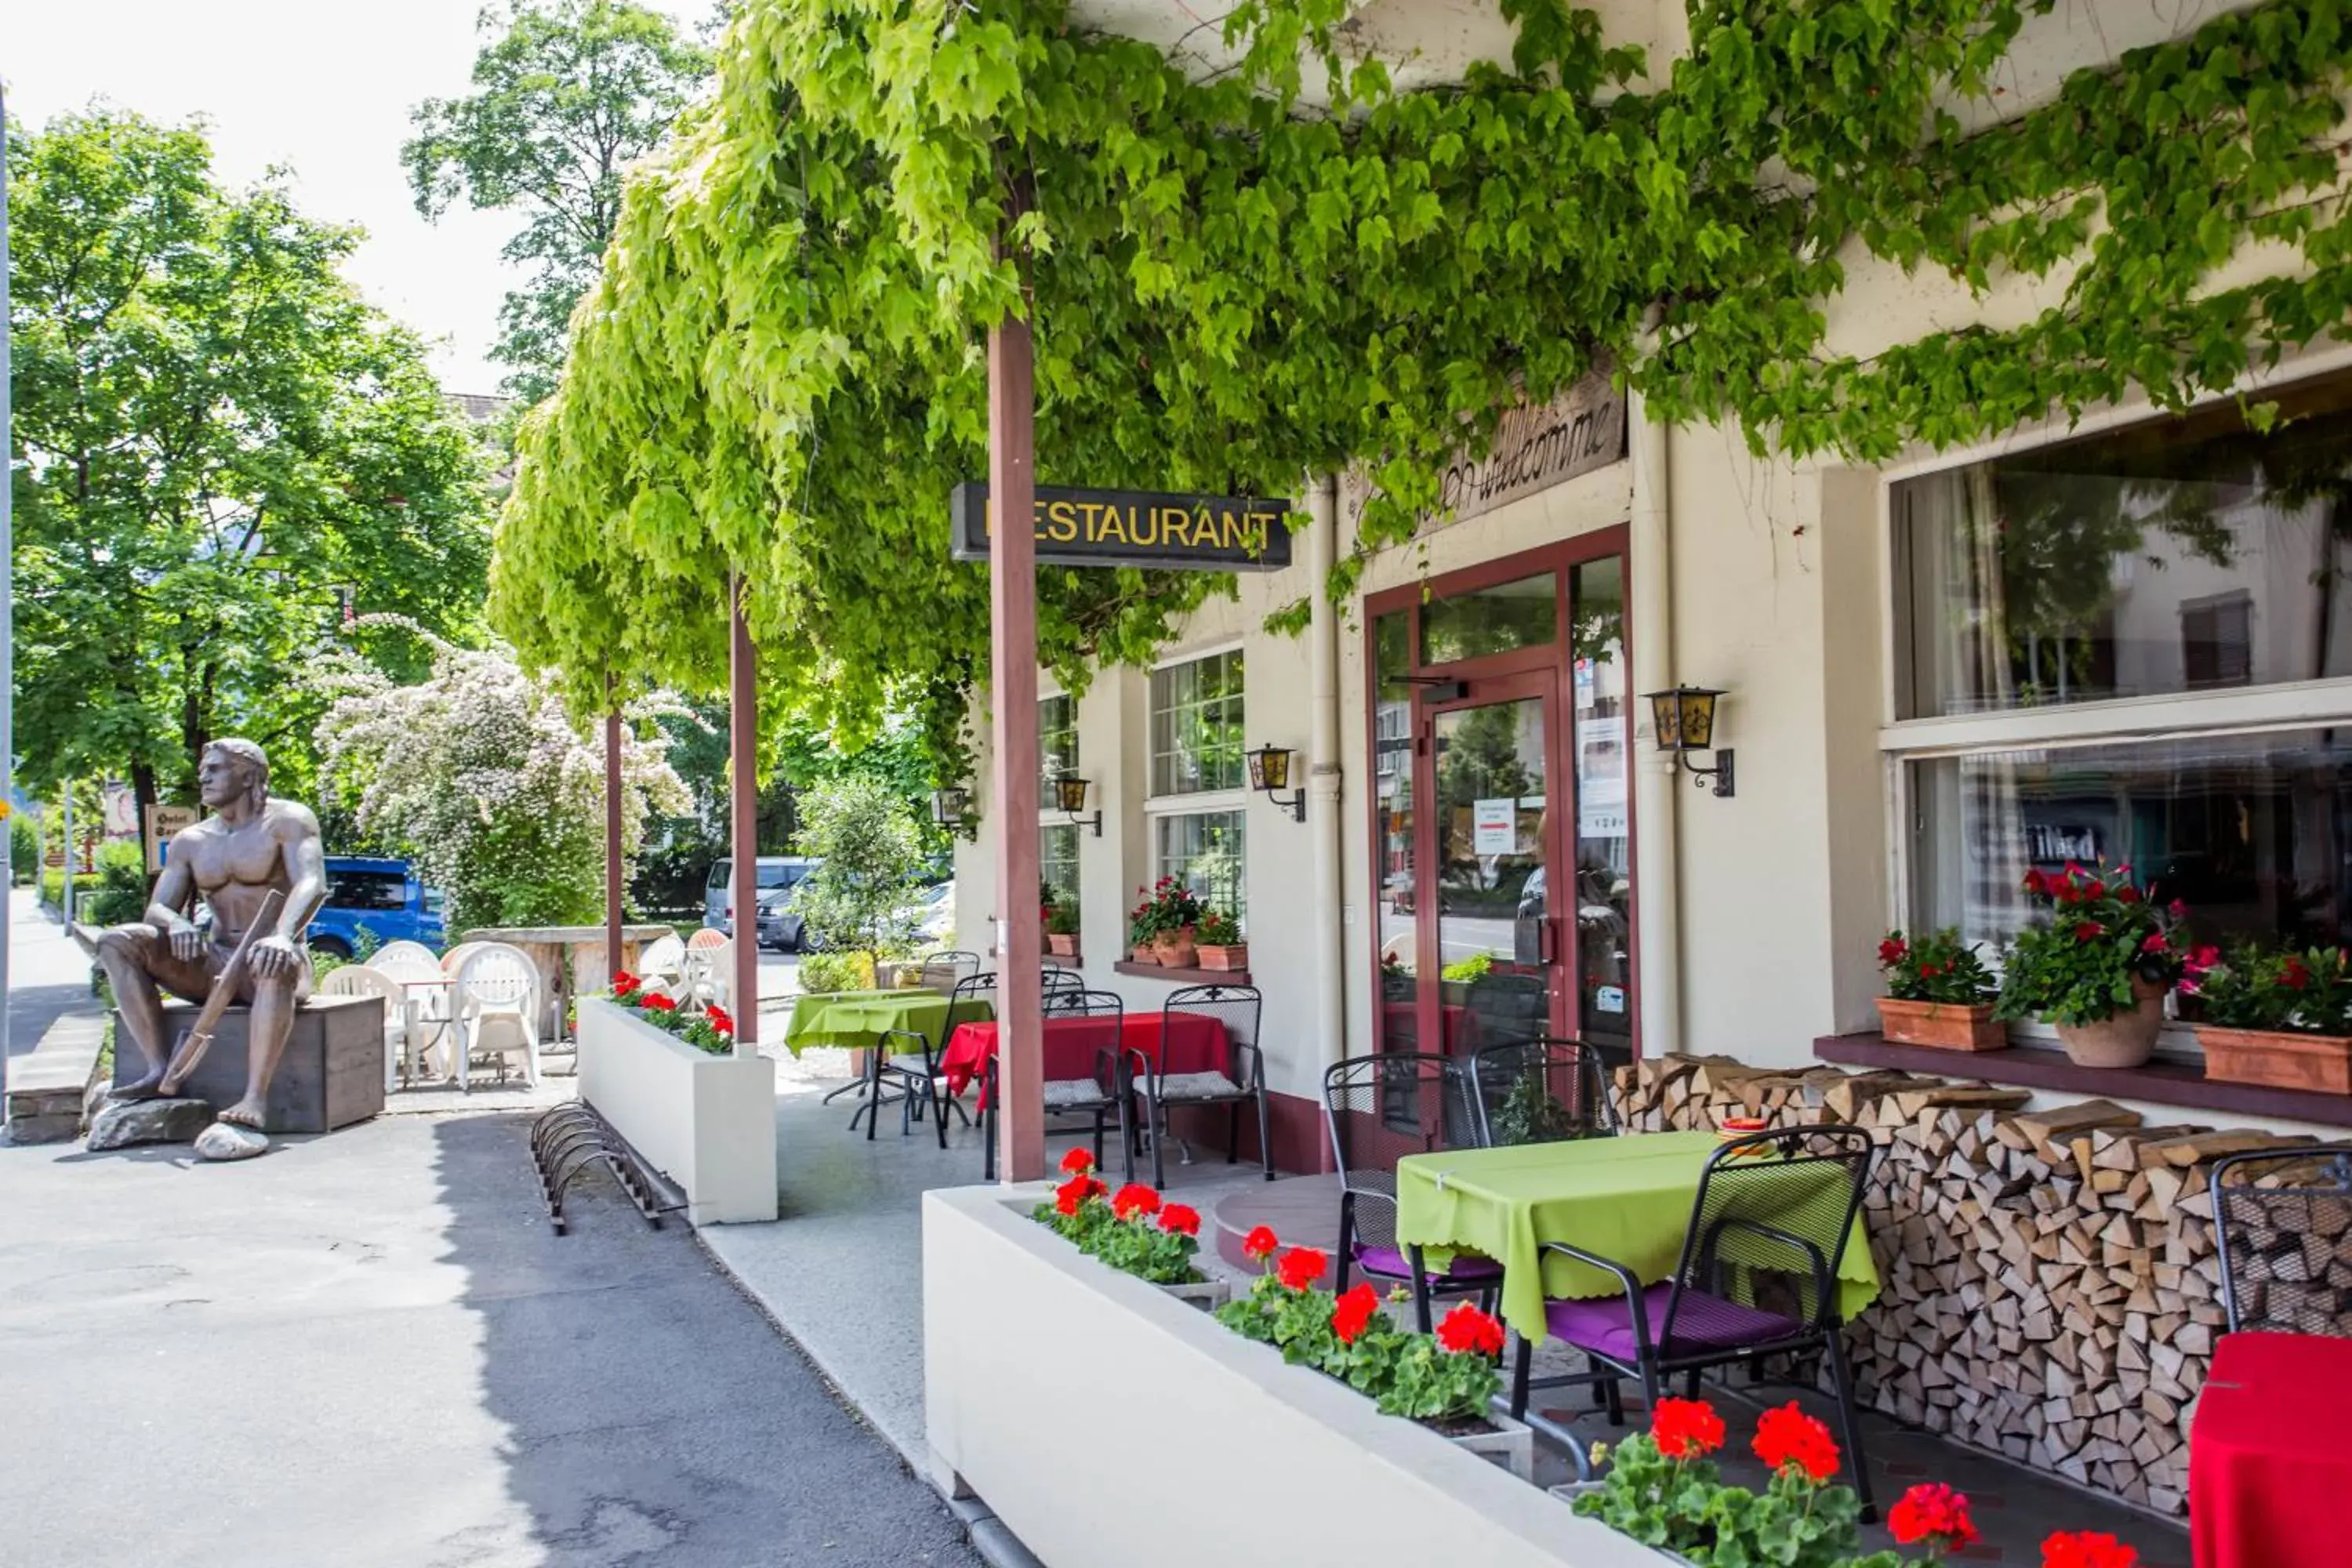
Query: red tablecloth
(1196, 1043)
(2270, 1453)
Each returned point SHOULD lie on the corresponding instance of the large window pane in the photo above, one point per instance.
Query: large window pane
(1522, 614)
(1058, 867)
(1203, 851)
(1057, 739)
(1196, 726)
(1393, 791)
(2178, 554)
(2250, 830)
(1605, 861)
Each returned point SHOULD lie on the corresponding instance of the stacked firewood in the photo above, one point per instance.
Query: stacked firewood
(2050, 1288)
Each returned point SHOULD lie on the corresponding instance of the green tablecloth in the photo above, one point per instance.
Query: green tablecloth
(856, 1019)
(1626, 1198)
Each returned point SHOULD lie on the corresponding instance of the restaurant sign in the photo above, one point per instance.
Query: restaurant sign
(1137, 528)
(1535, 448)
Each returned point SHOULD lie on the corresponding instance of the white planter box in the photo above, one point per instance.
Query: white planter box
(1208, 1295)
(1062, 1392)
(707, 1122)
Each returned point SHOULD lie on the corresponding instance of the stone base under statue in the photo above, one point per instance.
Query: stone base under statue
(331, 1076)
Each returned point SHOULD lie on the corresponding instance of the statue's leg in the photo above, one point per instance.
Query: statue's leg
(267, 1028)
(131, 955)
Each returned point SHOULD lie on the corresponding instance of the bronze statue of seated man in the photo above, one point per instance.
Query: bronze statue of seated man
(233, 860)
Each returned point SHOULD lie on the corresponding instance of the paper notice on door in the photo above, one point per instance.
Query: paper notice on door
(1494, 826)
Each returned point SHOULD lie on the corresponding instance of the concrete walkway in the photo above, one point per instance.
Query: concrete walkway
(369, 1349)
(47, 974)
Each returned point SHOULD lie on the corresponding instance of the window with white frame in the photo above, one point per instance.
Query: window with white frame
(2134, 647)
(1198, 777)
(1057, 751)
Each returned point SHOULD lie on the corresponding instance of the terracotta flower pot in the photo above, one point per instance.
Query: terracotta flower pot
(2124, 1040)
(1062, 945)
(1946, 1026)
(1175, 950)
(2275, 1059)
(1236, 956)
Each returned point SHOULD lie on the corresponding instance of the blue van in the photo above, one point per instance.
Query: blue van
(385, 896)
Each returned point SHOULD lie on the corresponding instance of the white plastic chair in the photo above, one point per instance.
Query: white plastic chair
(395, 952)
(496, 1009)
(664, 961)
(455, 959)
(399, 1034)
(708, 974)
(706, 937)
(422, 981)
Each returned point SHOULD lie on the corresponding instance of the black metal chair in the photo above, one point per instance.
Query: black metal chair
(1243, 1082)
(1060, 981)
(1377, 1109)
(1094, 1019)
(943, 969)
(1545, 1091)
(1758, 1277)
(2278, 1243)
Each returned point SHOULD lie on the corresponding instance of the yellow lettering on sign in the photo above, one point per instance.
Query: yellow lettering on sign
(1061, 522)
(1114, 526)
(1147, 525)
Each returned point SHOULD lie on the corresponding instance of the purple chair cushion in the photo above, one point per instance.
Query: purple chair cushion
(1393, 1262)
(1703, 1322)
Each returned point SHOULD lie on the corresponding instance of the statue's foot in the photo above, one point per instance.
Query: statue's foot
(143, 1088)
(246, 1112)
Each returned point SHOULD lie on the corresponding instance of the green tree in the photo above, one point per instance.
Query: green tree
(220, 452)
(860, 827)
(565, 95)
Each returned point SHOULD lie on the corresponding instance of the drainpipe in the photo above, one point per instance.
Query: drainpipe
(1658, 915)
(1323, 768)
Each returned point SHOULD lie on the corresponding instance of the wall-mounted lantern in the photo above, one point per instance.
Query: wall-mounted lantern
(1070, 795)
(1269, 773)
(1684, 723)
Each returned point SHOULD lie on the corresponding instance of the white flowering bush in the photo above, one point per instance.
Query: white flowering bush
(480, 776)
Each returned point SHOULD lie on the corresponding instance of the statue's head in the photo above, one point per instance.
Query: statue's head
(231, 769)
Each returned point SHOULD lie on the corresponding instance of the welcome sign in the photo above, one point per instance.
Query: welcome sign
(1136, 527)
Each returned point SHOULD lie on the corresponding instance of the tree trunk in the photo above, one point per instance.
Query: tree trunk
(142, 790)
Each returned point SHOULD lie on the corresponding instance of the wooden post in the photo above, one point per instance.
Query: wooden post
(1012, 559)
(612, 835)
(743, 828)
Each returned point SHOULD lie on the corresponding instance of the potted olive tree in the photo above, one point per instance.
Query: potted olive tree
(1938, 993)
(2273, 1016)
(2097, 967)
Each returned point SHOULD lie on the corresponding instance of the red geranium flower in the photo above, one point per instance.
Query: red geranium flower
(654, 1002)
(1181, 1219)
(1300, 1266)
(1072, 1194)
(1466, 1331)
(1260, 1243)
(2293, 974)
(2086, 1549)
(1135, 1198)
(1789, 1436)
(1935, 1514)
(2177, 909)
(1891, 951)
(2156, 944)
(2098, 889)
(2128, 894)
(2035, 882)
(2089, 931)
(1686, 1428)
(1077, 1162)
(720, 1019)
(623, 983)
(1352, 1313)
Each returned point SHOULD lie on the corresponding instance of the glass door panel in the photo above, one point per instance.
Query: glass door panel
(1603, 843)
(1495, 938)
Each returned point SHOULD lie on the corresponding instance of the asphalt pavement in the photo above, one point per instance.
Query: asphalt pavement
(369, 1349)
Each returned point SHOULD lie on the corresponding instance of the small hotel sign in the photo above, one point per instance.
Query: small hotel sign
(1137, 528)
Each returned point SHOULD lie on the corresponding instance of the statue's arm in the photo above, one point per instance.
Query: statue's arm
(167, 905)
(306, 869)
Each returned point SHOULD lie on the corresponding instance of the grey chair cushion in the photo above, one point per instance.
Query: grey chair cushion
(1062, 1094)
(1197, 1086)
(913, 1062)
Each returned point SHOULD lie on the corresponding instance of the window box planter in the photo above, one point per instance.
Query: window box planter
(2275, 1059)
(1018, 1329)
(1499, 1439)
(1947, 1025)
(1229, 958)
(707, 1122)
(1061, 946)
(1208, 1295)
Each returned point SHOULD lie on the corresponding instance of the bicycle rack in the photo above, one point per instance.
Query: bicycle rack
(573, 1137)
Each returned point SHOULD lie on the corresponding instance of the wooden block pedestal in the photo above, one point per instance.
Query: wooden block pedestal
(331, 1076)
